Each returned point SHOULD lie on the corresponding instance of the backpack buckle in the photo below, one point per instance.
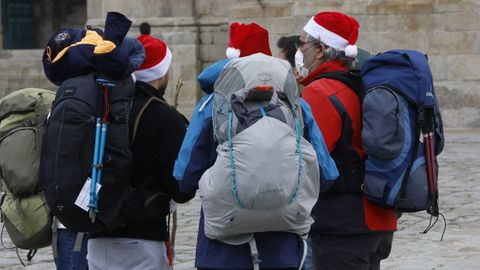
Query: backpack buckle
(256, 259)
(254, 252)
(104, 82)
(2, 198)
(421, 116)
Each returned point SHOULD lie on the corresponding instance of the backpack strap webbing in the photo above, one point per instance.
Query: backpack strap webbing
(77, 246)
(31, 253)
(30, 122)
(55, 238)
(140, 113)
(254, 251)
(305, 253)
(3, 195)
(351, 79)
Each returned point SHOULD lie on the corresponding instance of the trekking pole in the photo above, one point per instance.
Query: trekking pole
(178, 87)
(429, 144)
(430, 162)
(99, 150)
(103, 137)
(92, 203)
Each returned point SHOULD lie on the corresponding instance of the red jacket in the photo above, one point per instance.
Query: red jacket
(342, 212)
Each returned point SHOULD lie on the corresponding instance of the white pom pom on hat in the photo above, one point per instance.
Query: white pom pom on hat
(232, 53)
(351, 51)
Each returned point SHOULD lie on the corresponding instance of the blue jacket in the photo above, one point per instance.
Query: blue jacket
(198, 153)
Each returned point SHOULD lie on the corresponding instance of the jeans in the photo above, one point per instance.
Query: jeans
(68, 259)
(308, 264)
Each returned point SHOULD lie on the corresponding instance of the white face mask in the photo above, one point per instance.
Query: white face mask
(299, 65)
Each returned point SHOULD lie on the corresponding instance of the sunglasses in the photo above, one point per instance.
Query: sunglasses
(299, 44)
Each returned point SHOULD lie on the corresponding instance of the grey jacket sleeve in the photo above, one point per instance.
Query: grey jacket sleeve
(382, 132)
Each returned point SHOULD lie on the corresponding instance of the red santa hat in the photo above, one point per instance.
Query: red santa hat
(336, 30)
(157, 59)
(247, 39)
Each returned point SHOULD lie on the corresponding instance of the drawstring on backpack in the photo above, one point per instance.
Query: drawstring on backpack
(30, 254)
(432, 224)
(427, 126)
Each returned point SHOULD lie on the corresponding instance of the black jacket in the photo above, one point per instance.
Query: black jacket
(158, 139)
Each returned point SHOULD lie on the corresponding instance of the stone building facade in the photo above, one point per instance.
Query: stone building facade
(197, 32)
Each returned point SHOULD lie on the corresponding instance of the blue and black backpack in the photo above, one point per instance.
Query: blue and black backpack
(402, 132)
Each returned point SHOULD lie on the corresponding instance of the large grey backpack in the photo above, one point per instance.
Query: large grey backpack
(24, 211)
(266, 175)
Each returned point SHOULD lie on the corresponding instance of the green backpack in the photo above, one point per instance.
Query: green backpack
(24, 211)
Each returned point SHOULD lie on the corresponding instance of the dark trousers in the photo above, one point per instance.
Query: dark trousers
(347, 252)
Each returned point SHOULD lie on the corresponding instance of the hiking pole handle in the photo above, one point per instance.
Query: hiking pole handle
(103, 139)
(430, 163)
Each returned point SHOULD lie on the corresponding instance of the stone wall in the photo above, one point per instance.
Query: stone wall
(446, 30)
(197, 32)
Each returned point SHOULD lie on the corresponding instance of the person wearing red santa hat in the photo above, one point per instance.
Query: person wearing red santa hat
(276, 250)
(349, 232)
(245, 40)
(157, 133)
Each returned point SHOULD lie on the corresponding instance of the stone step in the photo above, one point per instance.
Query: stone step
(12, 84)
(31, 81)
(20, 69)
(19, 61)
(21, 54)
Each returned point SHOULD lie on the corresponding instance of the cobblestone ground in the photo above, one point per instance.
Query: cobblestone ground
(459, 202)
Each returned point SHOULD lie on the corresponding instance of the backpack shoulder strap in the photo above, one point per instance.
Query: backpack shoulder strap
(351, 79)
(140, 113)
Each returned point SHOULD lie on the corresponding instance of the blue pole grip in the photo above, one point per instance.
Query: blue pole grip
(102, 150)
(92, 203)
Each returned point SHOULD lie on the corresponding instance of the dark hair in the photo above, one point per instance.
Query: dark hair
(287, 44)
(144, 28)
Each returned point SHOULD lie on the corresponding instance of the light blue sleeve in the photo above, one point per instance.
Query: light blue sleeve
(194, 149)
(326, 163)
(209, 75)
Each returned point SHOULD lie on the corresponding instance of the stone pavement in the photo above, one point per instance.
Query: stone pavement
(459, 202)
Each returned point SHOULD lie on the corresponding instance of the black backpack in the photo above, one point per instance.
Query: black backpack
(68, 145)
